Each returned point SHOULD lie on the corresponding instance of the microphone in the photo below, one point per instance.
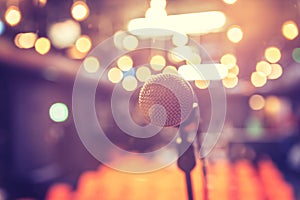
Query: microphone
(166, 100)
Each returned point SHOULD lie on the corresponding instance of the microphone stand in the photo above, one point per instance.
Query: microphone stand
(186, 162)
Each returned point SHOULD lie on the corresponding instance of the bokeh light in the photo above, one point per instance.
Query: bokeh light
(42, 45)
(83, 44)
(235, 70)
(170, 70)
(182, 53)
(228, 60)
(276, 71)
(143, 73)
(272, 54)
(159, 4)
(73, 53)
(27, 40)
(64, 34)
(125, 63)
(290, 30)
(91, 64)
(118, 39)
(80, 10)
(156, 13)
(157, 62)
(193, 59)
(229, 1)
(180, 39)
(235, 34)
(296, 55)
(202, 84)
(230, 81)
(42, 3)
(264, 67)
(129, 83)
(2, 27)
(13, 15)
(273, 105)
(16, 40)
(256, 102)
(130, 42)
(258, 79)
(115, 75)
(58, 112)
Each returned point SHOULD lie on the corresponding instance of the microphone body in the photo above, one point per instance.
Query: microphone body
(166, 100)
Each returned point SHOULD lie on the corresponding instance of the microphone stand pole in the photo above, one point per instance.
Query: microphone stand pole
(186, 162)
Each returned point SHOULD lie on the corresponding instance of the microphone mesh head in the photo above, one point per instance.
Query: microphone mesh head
(172, 93)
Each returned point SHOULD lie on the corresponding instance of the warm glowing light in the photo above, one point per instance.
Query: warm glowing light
(73, 52)
(158, 62)
(203, 72)
(129, 83)
(235, 34)
(258, 79)
(229, 1)
(256, 102)
(64, 34)
(290, 30)
(193, 59)
(27, 40)
(273, 105)
(2, 27)
(115, 75)
(13, 15)
(296, 55)
(180, 39)
(155, 13)
(80, 10)
(16, 40)
(125, 63)
(143, 73)
(170, 70)
(230, 81)
(272, 54)
(181, 53)
(276, 71)
(211, 21)
(130, 42)
(228, 60)
(42, 3)
(118, 39)
(158, 4)
(202, 84)
(178, 140)
(83, 44)
(58, 112)
(235, 70)
(42, 45)
(264, 67)
(91, 64)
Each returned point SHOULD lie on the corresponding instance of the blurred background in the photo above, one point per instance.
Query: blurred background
(43, 43)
